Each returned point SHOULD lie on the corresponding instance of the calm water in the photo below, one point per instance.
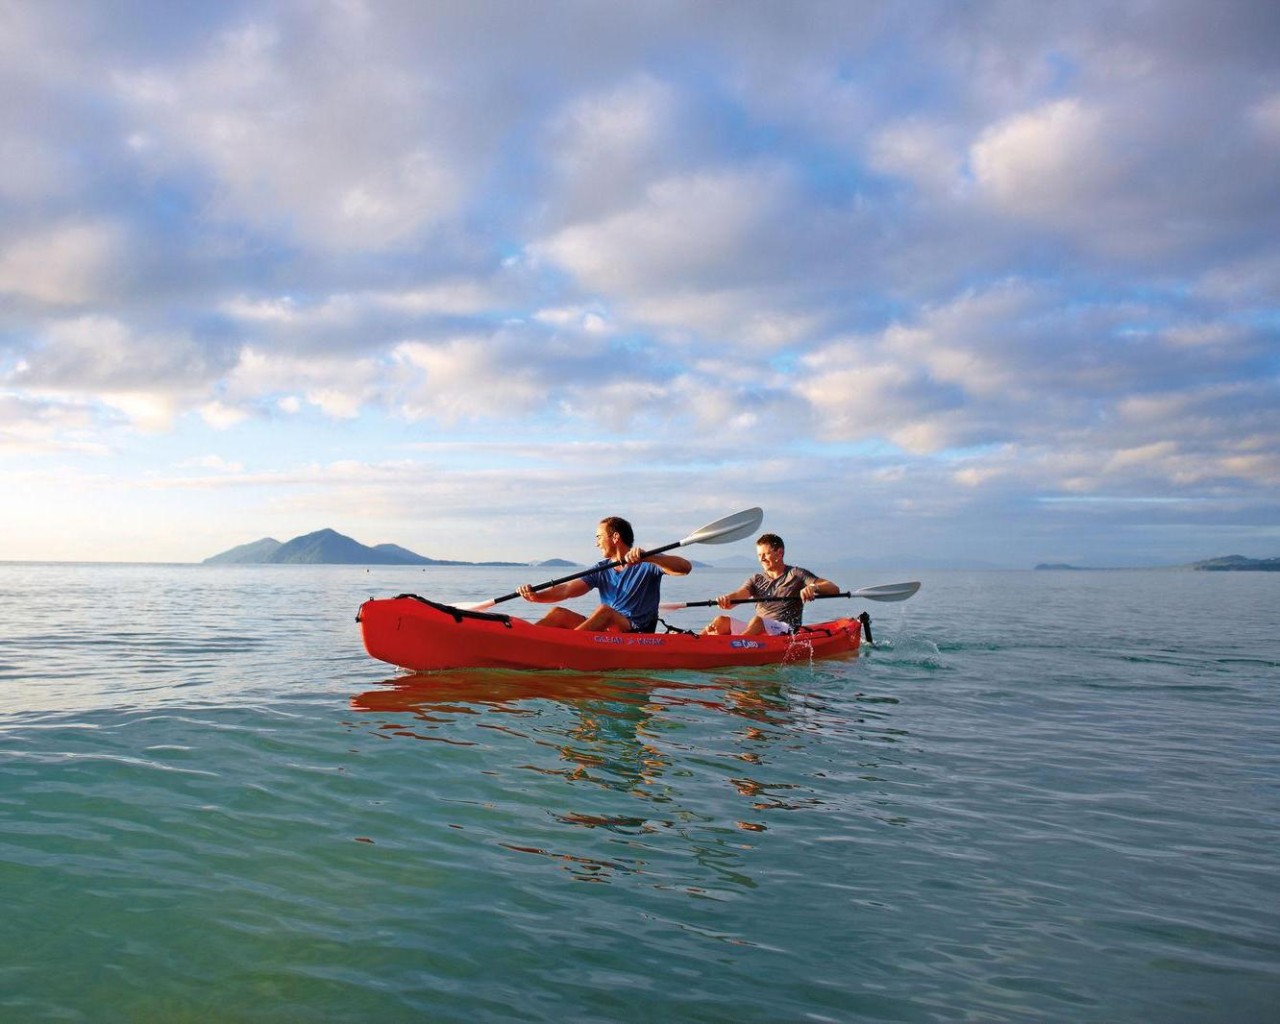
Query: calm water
(1050, 797)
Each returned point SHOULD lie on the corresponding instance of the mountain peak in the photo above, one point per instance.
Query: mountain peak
(327, 547)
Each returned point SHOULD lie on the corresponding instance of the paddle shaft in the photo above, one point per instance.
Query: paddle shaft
(757, 600)
(585, 572)
(722, 531)
(883, 592)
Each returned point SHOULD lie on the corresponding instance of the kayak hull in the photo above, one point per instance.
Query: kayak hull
(413, 633)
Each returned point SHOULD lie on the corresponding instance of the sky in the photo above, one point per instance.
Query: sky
(933, 283)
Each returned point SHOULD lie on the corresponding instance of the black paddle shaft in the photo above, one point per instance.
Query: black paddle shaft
(758, 600)
(585, 572)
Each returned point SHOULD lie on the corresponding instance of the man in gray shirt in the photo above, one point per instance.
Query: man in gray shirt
(779, 592)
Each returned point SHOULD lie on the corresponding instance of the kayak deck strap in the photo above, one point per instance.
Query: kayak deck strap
(459, 614)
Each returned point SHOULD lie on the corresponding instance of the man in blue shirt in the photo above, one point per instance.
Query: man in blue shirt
(629, 593)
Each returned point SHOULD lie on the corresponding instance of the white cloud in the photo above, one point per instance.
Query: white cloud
(221, 416)
(338, 385)
(1048, 164)
(607, 147)
(335, 148)
(468, 379)
(31, 426)
(101, 353)
(362, 320)
(64, 264)
(688, 231)
(745, 319)
(148, 379)
(926, 154)
(214, 462)
(589, 321)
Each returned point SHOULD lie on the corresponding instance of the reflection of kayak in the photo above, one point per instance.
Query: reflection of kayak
(423, 636)
(499, 687)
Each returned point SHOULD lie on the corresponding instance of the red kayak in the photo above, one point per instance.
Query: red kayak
(424, 636)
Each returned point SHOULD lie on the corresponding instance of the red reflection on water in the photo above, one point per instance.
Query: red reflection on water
(502, 690)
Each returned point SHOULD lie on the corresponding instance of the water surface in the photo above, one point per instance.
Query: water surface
(1048, 796)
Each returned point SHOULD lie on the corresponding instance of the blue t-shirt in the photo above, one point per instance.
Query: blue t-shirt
(633, 592)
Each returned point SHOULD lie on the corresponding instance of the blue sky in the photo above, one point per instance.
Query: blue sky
(932, 283)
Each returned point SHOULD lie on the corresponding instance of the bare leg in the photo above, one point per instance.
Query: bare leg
(561, 618)
(604, 618)
(719, 626)
(754, 627)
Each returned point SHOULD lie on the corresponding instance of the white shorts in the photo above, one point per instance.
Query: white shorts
(772, 627)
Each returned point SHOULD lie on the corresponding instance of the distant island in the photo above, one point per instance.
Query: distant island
(328, 547)
(1238, 563)
(1228, 563)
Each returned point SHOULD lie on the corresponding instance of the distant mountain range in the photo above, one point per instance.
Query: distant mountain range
(1228, 563)
(1238, 563)
(328, 547)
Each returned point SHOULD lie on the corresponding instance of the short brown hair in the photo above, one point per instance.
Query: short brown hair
(773, 540)
(618, 525)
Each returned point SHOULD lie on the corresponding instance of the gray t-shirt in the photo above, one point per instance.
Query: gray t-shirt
(779, 598)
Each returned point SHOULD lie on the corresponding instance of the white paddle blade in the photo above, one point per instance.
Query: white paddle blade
(728, 529)
(474, 606)
(887, 592)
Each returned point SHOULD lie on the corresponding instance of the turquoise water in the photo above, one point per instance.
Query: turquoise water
(1044, 796)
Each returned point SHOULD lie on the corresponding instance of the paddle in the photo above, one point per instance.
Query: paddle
(722, 531)
(883, 592)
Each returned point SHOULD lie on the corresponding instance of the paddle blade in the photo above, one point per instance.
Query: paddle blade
(887, 592)
(730, 528)
(474, 606)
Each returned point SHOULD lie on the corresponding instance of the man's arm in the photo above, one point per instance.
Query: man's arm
(560, 592)
(743, 593)
(672, 565)
(816, 587)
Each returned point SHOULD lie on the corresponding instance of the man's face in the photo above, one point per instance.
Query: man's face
(605, 540)
(770, 558)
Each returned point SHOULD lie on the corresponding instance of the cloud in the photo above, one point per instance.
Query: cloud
(927, 154)
(1008, 368)
(148, 379)
(1047, 163)
(97, 353)
(31, 426)
(1157, 171)
(292, 143)
(261, 382)
(687, 232)
(505, 375)
(214, 462)
(739, 255)
(64, 264)
(606, 148)
(361, 321)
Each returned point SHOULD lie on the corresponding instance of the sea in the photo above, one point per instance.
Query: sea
(1040, 796)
